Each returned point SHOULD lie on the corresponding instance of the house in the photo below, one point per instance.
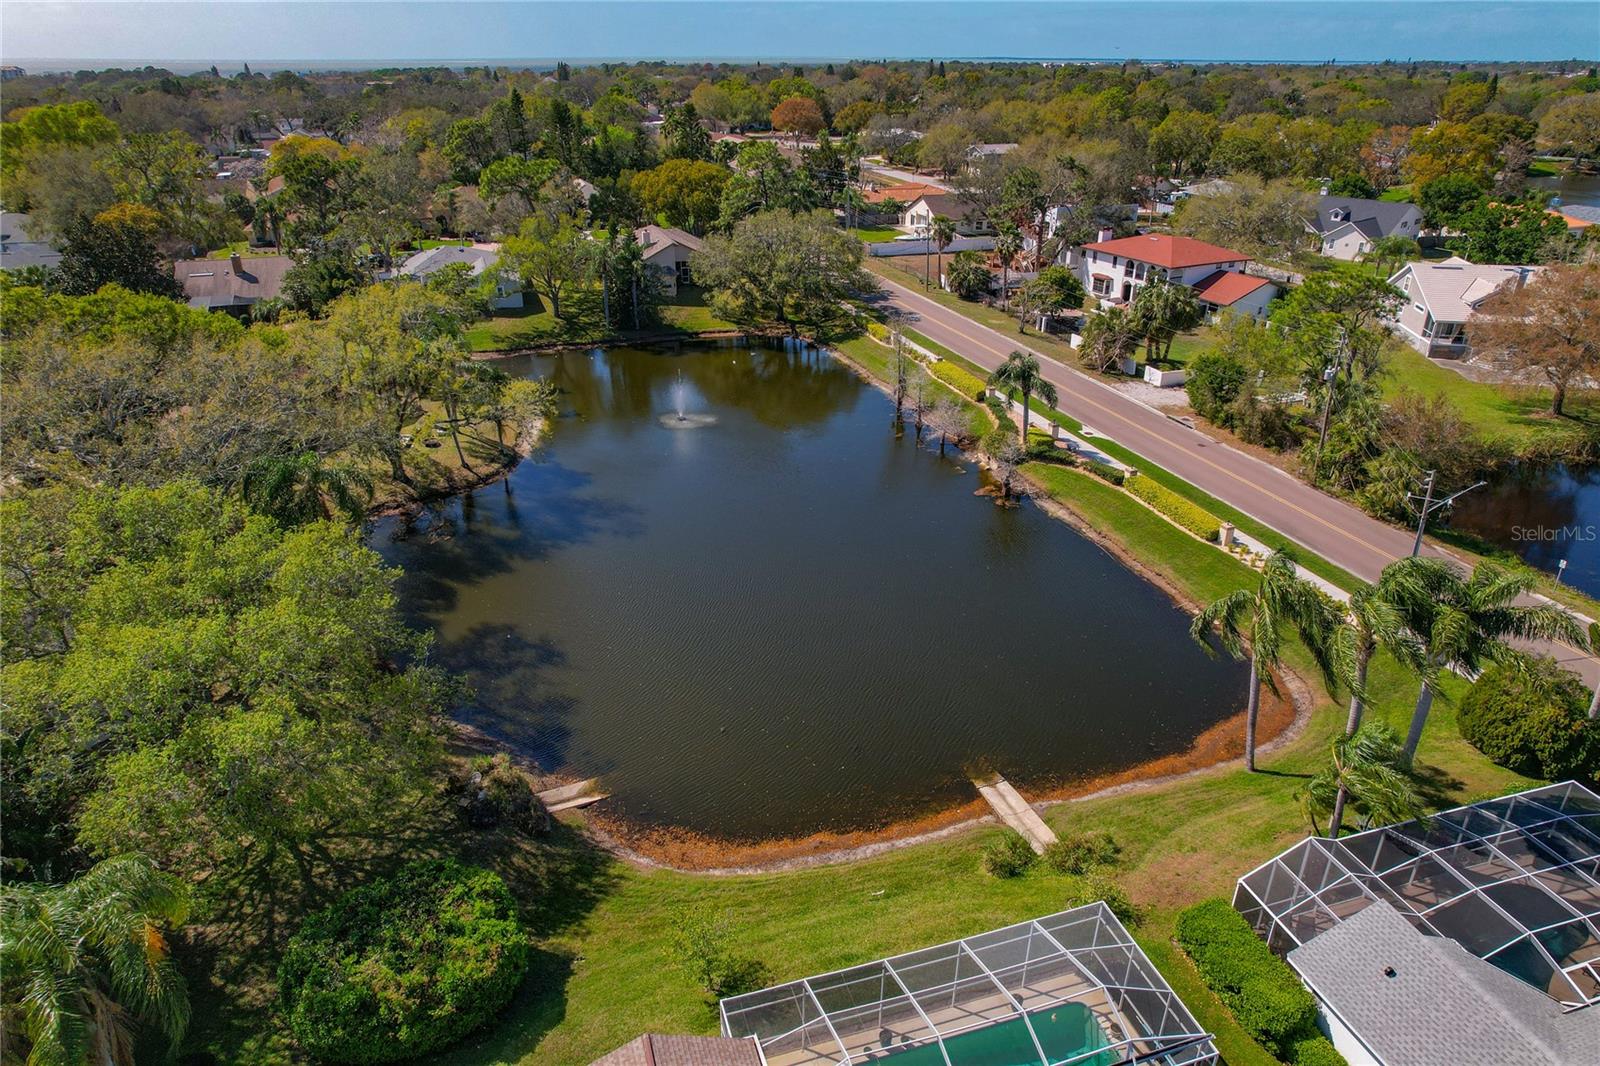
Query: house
(507, 288)
(918, 217)
(1114, 271)
(1071, 987)
(18, 249)
(1349, 226)
(1577, 217)
(1472, 938)
(668, 251)
(234, 284)
(979, 152)
(658, 1049)
(1442, 296)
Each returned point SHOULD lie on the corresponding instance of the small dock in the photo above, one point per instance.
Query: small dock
(1015, 812)
(571, 797)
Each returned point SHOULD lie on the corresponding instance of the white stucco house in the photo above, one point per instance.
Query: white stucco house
(667, 251)
(1347, 227)
(1113, 271)
(1441, 299)
(507, 287)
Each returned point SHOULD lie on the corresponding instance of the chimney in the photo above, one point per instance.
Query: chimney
(235, 263)
(1106, 233)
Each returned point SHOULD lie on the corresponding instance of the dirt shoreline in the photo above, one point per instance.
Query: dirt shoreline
(1282, 721)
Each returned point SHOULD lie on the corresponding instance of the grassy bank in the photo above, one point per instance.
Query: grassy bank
(582, 322)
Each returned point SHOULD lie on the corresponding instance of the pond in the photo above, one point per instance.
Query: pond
(1544, 515)
(1571, 187)
(777, 617)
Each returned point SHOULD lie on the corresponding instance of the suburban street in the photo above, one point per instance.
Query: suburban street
(1337, 531)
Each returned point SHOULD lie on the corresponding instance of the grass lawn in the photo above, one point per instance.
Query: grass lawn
(1186, 346)
(1396, 194)
(581, 322)
(239, 248)
(1517, 415)
(875, 234)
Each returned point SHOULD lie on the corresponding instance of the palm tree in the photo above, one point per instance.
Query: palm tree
(1466, 622)
(1376, 618)
(1007, 243)
(1021, 372)
(296, 489)
(1161, 311)
(85, 960)
(1387, 252)
(1109, 337)
(1368, 767)
(943, 231)
(1280, 600)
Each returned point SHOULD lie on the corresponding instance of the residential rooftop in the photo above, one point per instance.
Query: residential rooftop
(1479, 921)
(1166, 250)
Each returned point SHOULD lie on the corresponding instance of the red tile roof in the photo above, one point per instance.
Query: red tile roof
(1168, 251)
(1225, 287)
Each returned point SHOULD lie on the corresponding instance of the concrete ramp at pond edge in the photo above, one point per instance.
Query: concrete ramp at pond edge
(568, 797)
(1015, 812)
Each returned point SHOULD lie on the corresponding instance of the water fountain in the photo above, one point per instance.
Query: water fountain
(679, 417)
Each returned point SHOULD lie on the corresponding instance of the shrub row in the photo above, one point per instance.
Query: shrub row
(1262, 991)
(966, 384)
(1189, 515)
(1106, 472)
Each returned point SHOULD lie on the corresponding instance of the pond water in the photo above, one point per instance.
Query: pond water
(780, 618)
(1572, 188)
(1543, 515)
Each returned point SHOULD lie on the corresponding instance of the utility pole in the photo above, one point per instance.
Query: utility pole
(1329, 374)
(1430, 505)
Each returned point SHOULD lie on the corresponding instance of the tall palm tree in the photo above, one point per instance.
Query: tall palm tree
(1376, 617)
(1108, 338)
(1387, 253)
(1161, 311)
(1368, 767)
(942, 231)
(1007, 243)
(1467, 621)
(86, 960)
(1021, 372)
(301, 488)
(1280, 600)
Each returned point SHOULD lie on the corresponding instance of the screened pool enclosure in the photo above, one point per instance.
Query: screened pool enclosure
(1070, 988)
(1515, 881)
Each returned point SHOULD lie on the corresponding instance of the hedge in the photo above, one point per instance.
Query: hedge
(403, 966)
(1190, 516)
(1106, 472)
(1264, 994)
(1316, 1051)
(966, 384)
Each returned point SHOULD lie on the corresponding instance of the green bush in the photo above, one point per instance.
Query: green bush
(1214, 383)
(966, 384)
(1264, 994)
(1082, 853)
(878, 331)
(1316, 1051)
(1531, 716)
(1042, 448)
(1096, 887)
(403, 966)
(1008, 856)
(1190, 516)
(1106, 472)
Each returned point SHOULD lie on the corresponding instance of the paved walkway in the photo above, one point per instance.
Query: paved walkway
(1014, 811)
(1334, 529)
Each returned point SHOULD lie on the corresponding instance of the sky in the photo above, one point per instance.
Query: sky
(228, 32)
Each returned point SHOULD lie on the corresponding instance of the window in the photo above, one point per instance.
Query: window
(683, 272)
(1100, 284)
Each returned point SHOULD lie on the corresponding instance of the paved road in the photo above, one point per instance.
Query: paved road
(1330, 527)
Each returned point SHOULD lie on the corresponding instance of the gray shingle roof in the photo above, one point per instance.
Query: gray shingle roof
(1417, 1000)
(18, 249)
(1384, 217)
(425, 263)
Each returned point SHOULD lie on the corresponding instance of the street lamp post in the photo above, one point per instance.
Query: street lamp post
(1430, 505)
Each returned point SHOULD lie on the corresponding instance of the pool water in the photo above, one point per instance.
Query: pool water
(1064, 1031)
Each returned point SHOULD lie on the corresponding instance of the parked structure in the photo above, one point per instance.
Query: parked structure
(1113, 271)
(918, 218)
(1348, 226)
(1067, 988)
(668, 251)
(1442, 297)
(1472, 938)
(18, 248)
(507, 288)
(234, 284)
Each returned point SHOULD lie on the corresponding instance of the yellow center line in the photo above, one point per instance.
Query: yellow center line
(1381, 553)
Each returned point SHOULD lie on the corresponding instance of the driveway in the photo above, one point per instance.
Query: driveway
(1335, 530)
